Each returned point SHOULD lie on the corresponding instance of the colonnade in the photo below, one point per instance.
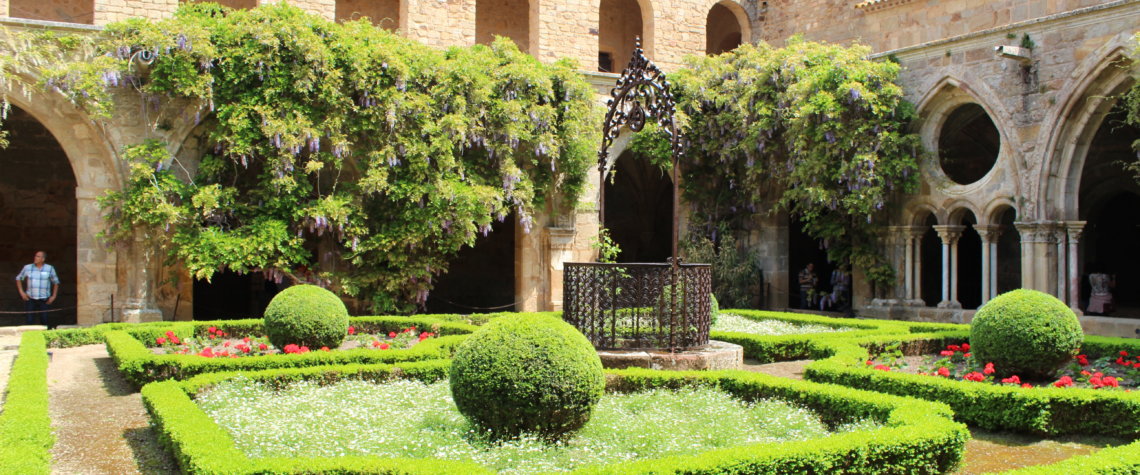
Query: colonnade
(1049, 260)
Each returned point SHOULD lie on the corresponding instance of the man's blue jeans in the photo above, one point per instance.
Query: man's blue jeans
(35, 309)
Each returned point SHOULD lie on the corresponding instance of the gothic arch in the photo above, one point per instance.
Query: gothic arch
(737, 12)
(995, 209)
(916, 211)
(957, 211)
(96, 171)
(1087, 101)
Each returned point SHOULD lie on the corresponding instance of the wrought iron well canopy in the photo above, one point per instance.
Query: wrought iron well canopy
(638, 306)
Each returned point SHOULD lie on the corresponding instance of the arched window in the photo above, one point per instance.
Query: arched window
(725, 28)
(968, 144)
(619, 23)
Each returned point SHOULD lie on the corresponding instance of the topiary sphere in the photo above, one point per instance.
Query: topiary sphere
(1027, 333)
(527, 374)
(306, 315)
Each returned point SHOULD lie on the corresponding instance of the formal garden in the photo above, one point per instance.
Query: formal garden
(325, 135)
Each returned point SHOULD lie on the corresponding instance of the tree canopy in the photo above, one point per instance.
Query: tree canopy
(817, 130)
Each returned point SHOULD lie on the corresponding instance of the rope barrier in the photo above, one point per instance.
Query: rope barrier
(24, 312)
(500, 307)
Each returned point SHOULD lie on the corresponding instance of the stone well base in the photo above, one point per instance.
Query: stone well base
(715, 355)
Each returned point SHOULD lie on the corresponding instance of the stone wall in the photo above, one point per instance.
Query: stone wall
(383, 13)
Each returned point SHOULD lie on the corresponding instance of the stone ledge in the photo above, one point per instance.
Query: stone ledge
(716, 355)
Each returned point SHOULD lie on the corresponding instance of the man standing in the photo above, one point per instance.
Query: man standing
(40, 277)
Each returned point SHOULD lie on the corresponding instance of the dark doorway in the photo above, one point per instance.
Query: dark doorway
(802, 250)
(481, 278)
(1008, 254)
(639, 210)
(1110, 203)
(37, 213)
(229, 296)
(931, 255)
(969, 264)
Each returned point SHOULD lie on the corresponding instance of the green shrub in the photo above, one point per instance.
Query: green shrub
(527, 374)
(1027, 333)
(306, 315)
(25, 426)
(714, 309)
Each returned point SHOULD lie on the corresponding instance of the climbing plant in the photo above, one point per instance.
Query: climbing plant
(1132, 106)
(817, 130)
(331, 142)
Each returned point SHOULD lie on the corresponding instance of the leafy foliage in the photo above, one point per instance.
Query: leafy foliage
(306, 315)
(734, 270)
(819, 130)
(342, 139)
(1132, 106)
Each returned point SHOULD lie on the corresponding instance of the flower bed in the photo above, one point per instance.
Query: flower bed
(956, 362)
(219, 344)
(140, 364)
(916, 436)
(1046, 411)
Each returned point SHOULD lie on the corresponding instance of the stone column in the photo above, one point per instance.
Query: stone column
(141, 269)
(1059, 237)
(915, 295)
(989, 234)
(909, 268)
(1037, 250)
(561, 250)
(949, 235)
(1074, 229)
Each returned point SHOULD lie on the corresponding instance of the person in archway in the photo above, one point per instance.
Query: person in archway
(1101, 301)
(43, 287)
(807, 280)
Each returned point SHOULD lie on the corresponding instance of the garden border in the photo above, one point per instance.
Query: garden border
(920, 435)
(140, 365)
(1038, 411)
(25, 424)
(772, 348)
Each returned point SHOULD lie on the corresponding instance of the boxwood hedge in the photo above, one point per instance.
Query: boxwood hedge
(25, 426)
(918, 437)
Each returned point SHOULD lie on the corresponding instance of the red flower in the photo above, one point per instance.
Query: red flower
(170, 334)
(1123, 353)
(1065, 381)
(947, 353)
(207, 352)
(324, 348)
(944, 371)
(1026, 385)
(1083, 360)
(384, 346)
(244, 349)
(1120, 361)
(226, 344)
(1011, 380)
(212, 336)
(1085, 373)
(869, 363)
(160, 340)
(175, 340)
(965, 347)
(351, 330)
(245, 340)
(974, 376)
(967, 355)
(1136, 364)
(1110, 381)
(292, 348)
(989, 369)
(392, 334)
(212, 329)
(262, 347)
(375, 343)
(954, 348)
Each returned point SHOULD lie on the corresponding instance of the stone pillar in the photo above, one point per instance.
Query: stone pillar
(949, 235)
(1074, 229)
(908, 266)
(1037, 250)
(140, 270)
(989, 234)
(1059, 237)
(561, 242)
(917, 233)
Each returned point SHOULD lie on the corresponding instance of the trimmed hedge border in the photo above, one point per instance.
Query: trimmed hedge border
(1039, 411)
(140, 365)
(773, 348)
(919, 437)
(25, 426)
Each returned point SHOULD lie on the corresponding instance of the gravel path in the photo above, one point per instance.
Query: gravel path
(783, 369)
(98, 418)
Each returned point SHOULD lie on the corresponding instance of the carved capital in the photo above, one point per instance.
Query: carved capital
(988, 232)
(1036, 232)
(1075, 228)
(949, 233)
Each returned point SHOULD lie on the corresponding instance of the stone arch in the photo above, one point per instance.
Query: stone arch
(730, 22)
(386, 14)
(917, 211)
(515, 19)
(944, 97)
(96, 170)
(959, 210)
(1087, 101)
(993, 211)
(618, 22)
